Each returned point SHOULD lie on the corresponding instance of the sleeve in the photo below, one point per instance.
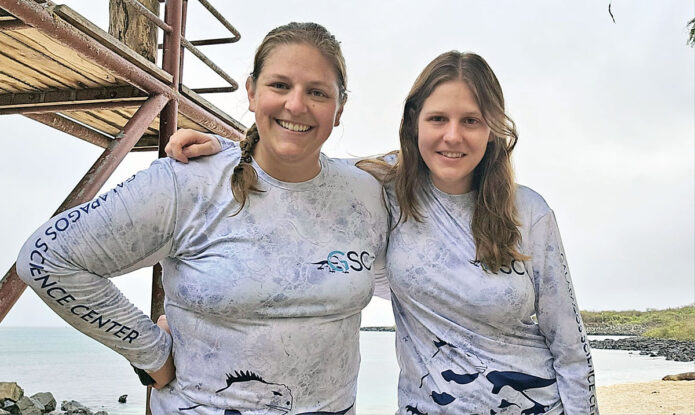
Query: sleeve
(68, 262)
(225, 143)
(382, 288)
(560, 321)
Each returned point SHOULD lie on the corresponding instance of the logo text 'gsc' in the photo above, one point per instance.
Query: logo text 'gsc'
(339, 261)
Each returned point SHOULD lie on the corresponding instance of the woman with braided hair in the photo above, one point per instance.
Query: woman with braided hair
(486, 317)
(263, 282)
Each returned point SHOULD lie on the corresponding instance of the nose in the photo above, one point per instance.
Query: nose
(295, 102)
(453, 133)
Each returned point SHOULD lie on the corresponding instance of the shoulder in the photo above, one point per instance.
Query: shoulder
(352, 185)
(530, 205)
(213, 166)
(204, 178)
(345, 170)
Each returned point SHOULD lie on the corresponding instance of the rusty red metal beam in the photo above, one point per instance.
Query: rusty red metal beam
(105, 94)
(37, 16)
(219, 71)
(171, 55)
(221, 19)
(174, 14)
(11, 287)
(149, 15)
(91, 106)
(13, 25)
(69, 126)
(171, 62)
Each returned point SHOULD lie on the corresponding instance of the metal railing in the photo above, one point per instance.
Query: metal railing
(191, 45)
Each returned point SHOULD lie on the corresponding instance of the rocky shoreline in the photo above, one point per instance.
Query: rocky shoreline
(13, 401)
(677, 350)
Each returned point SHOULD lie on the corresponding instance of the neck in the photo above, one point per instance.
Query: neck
(291, 171)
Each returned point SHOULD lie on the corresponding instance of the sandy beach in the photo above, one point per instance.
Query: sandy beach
(650, 398)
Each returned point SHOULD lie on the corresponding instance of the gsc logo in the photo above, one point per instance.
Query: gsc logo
(337, 261)
(517, 267)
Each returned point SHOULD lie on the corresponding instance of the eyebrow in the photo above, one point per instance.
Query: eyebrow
(465, 114)
(274, 76)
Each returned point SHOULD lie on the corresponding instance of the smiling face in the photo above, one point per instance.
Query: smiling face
(452, 136)
(296, 101)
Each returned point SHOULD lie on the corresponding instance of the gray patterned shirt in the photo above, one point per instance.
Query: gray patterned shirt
(467, 340)
(264, 307)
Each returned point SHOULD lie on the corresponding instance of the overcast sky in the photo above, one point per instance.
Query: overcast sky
(604, 110)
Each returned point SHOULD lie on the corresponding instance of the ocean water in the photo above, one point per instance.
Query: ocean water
(74, 367)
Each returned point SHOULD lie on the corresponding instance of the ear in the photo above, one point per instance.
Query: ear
(341, 104)
(251, 93)
(337, 115)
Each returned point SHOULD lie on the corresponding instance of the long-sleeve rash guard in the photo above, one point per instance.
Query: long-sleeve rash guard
(263, 306)
(467, 342)
(472, 342)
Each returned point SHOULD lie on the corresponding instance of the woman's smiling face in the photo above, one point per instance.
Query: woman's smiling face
(296, 101)
(452, 136)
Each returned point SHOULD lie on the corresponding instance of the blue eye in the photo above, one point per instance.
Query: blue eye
(279, 85)
(318, 93)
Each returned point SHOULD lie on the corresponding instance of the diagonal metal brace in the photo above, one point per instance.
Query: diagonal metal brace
(11, 287)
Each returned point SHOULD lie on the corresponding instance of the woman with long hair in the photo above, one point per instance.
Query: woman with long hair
(268, 252)
(486, 316)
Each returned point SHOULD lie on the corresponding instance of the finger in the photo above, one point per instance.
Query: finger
(168, 150)
(163, 323)
(197, 150)
(177, 152)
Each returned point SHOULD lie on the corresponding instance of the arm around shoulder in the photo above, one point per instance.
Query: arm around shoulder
(186, 143)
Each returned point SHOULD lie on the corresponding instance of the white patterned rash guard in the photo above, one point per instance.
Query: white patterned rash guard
(264, 307)
(466, 339)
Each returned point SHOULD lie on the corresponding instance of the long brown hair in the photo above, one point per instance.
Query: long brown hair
(244, 178)
(494, 224)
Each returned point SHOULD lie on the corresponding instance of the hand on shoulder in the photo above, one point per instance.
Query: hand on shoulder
(186, 143)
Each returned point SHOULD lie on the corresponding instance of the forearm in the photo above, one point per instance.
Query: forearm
(560, 321)
(69, 259)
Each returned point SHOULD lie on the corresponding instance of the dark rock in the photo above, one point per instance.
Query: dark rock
(74, 408)
(10, 407)
(46, 399)
(11, 391)
(677, 350)
(122, 398)
(30, 406)
(101, 413)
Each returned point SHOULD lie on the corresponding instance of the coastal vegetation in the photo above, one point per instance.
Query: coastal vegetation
(672, 323)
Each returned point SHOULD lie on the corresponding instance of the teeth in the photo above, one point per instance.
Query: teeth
(451, 154)
(294, 127)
